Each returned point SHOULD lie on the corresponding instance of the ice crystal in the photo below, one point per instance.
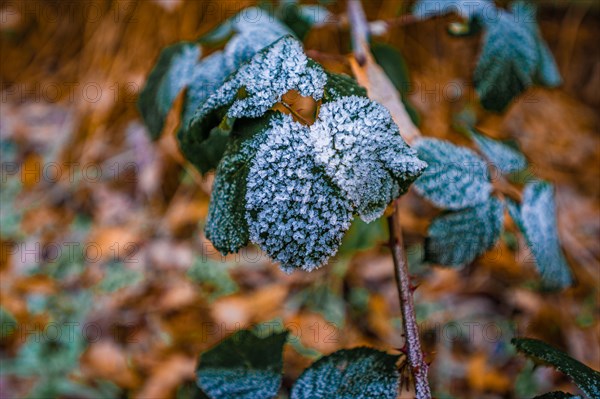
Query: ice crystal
(359, 145)
(294, 212)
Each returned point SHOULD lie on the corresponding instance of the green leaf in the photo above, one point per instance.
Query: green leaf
(457, 238)
(557, 395)
(358, 144)
(243, 366)
(301, 18)
(547, 73)
(359, 373)
(118, 276)
(587, 380)
(456, 177)
(341, 85)
(255, 87)
(295, 213)
(226, 223)
(394, 66)
(172, 72)
(507, 62)
(251, 21)
(514, 56)
(503, 157)
(536, 218)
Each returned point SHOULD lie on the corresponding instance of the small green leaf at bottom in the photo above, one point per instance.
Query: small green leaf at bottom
(243, 366)
(359, 373)
(585, 378)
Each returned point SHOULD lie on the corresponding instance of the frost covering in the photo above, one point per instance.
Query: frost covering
(290, 188)
(295, 214)
(361, 149)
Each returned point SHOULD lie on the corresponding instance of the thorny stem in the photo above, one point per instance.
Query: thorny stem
(359, 29)
(414, 352)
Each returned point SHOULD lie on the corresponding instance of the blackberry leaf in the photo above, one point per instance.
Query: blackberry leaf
(360, 373)
(506, 159)
(361, 150)
(457, 238)
(536, 218)
(295, 213)
(172, 72)
(259, 84)
(456, 177)
(226, 224)
(243, 366)
(585, 378)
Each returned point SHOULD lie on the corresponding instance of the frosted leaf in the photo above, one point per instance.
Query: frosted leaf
(465, 8)
(243, 366)
(514, 56)
(456, 177)
(505, 158)
(536, 218)
(294, 212)
(208, 75)
(226, 223)
(272, 73)
(172, 72)
(251, 19)
(204, 151)
(359, 373)
(457, 238)
(547, 72)
(260, 84)
(587, 379)
(253, 36)
(358, 144)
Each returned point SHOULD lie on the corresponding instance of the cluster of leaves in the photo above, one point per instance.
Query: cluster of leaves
(514, 55)
(291, 188)
(585, 378)
(459, 181)
(249, 365)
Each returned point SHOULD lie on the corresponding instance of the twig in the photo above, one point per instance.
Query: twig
(411, 330)
(379, 87)
(359, 29)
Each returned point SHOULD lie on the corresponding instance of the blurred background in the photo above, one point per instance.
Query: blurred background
(109, 289)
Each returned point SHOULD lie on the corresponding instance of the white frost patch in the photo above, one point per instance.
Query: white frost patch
(294, 213)
(358, 144)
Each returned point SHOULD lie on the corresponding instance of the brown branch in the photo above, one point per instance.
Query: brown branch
(412, 344)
